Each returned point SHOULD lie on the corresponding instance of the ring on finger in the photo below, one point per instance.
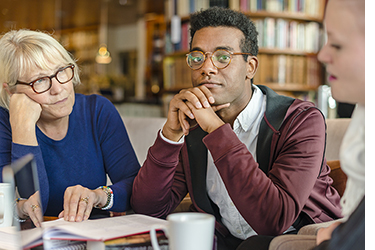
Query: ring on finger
(86, 199)
(33, 207)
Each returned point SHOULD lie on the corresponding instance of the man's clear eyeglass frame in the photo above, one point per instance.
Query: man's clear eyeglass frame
(220, 58)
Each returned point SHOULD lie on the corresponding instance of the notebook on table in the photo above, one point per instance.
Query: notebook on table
(60, 234)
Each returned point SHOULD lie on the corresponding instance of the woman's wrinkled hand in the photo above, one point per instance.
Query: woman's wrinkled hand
(79, 201)
(31, 208)
(23, 116)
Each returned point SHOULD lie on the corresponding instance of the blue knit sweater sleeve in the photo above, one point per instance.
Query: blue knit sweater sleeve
(96, 144)
(120, 161)
(10, 152)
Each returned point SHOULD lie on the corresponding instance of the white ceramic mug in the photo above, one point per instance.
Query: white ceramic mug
(6, 205)
(187, 231)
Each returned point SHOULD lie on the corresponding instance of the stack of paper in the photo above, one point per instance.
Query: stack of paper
(92, 231)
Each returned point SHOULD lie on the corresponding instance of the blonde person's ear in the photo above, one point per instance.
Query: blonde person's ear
(6, 88)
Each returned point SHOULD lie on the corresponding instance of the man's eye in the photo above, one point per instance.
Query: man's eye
(196, 59)
(223, 58)
(335, 46)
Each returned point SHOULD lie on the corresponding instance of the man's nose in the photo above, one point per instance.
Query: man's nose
(208, 67)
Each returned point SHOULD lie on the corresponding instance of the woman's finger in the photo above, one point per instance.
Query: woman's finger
(35, 214)
(82, 207)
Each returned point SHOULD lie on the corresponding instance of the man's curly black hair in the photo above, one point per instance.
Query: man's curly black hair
(218, 16)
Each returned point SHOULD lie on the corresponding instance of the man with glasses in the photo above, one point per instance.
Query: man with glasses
(252, 158)
(76, 139)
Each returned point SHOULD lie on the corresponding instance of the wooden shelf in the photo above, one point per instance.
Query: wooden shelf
(285, 52)
(261, 51)
(292, 87)
(297, 16)
(77, 29)
(290, 70)
(177, 54)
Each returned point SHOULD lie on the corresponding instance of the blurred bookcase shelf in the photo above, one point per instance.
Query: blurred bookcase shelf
(290, 34)
(276, 51)
(290, 87)
(83, 44)
(297, 16)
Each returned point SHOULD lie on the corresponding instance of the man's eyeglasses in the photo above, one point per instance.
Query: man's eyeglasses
(43, 84)
(220, 58)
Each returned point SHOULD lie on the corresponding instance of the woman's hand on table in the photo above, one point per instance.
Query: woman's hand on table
(79, 201)
(31, 208)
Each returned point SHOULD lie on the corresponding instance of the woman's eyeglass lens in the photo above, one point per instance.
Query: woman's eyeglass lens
(43, 84)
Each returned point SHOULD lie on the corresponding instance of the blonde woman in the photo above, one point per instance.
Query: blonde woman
(344, 57)
(76, 139)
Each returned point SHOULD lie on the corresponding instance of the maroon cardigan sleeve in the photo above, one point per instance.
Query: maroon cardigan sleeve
(271, 203)
(160, 184)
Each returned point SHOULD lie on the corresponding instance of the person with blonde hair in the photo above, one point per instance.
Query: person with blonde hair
(344, 57)
(76, 139)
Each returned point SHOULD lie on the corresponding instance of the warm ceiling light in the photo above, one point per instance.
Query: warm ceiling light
(103, 56)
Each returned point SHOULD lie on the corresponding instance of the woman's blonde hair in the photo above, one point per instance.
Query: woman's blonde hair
(22, 50)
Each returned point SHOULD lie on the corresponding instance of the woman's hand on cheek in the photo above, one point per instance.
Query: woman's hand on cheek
(23, 109)
(23, 115)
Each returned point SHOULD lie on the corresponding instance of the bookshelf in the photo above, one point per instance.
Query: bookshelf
(83, 44)
(155, 50)
(290, 36)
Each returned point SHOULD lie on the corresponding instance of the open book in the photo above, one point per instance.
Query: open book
(98, 230)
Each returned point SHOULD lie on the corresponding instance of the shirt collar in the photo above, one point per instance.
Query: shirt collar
(249, 114)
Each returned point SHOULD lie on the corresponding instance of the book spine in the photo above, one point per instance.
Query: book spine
(183, 8)
(243, 5)
(192, 5)
(234, 4)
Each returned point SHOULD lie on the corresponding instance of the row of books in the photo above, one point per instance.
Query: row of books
(272, 34)
(176, 73)
(284, 34)
(313, 8)
(183, 41)
(288, 69)
(185, 7)
(295, 70)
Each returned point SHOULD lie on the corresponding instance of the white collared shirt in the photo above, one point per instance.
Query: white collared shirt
(352, 159)
(246, 127)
